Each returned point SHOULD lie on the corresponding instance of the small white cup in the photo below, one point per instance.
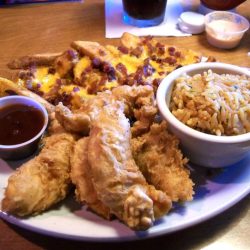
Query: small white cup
(203, 149)
(225, 29)
(22, 150)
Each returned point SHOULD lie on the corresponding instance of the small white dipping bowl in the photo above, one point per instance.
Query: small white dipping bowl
(225, 29)
(201, 148)
(22, 150)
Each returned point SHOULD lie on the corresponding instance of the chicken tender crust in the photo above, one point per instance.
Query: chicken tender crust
(118, 182)
(162, 163)
(42, 181)
(81, 176)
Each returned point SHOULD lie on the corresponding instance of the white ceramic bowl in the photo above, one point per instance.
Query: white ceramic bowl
(22, 150)
(201, 148)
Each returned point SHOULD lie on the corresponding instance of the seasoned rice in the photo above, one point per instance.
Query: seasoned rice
(213, 103)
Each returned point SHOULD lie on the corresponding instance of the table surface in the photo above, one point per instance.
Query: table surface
(51, 27)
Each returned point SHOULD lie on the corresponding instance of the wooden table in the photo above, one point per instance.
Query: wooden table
(50, 27)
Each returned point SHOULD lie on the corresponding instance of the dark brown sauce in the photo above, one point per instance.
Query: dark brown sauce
(19, 123)
(144, 9)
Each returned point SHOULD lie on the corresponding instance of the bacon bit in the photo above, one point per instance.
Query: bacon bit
(51, 70)
(122, 68)
(82, 79)
(71, 54)
(177, 54)
(96, 63)
(58, 81)
(146, 61)
(161, 73)
(139, 76)
(103, 80)
(10, 92)
(83, 75)
(76, 89)
(22, 75)
(102, 52)
(153, 57)
(171, 51)
(54, 97)
(111, 76)
(156, 82)
(59, 62)
(137, 51)
(123, 49)
(87, 70)
(25, 75)
(161, 48)
(148, 70)
(159, 60)
(147, 39)
(66, 99)
(151, 48)
(92, 89)
(70, 74)
(158, 45)
(170, 60)
(107, 68)
(39, 85)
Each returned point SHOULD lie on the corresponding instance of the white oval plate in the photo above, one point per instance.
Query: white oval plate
(215, 192)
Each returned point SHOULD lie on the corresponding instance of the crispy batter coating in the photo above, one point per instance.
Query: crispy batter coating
(161, 162)
(118, 182)
(140, 107)
(42, 181)
(81, 176)
(77, 122)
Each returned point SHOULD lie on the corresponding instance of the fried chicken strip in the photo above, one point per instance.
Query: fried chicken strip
(42, 181)
(81, 176)
(45, 180)
(117, 179)
(139, 106)
(162, 163)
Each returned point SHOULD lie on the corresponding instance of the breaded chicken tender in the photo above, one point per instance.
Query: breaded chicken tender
(118, 182)
(162, 163)
(140, 107)
(81, 176)
(42, 181)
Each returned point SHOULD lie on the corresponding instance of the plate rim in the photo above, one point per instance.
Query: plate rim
(241, 193)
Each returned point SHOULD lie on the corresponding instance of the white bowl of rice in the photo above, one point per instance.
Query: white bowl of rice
(207, 106)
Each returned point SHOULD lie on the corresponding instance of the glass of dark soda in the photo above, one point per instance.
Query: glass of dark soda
(144, 13)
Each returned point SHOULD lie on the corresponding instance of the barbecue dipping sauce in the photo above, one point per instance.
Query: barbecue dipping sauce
(19, 123)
